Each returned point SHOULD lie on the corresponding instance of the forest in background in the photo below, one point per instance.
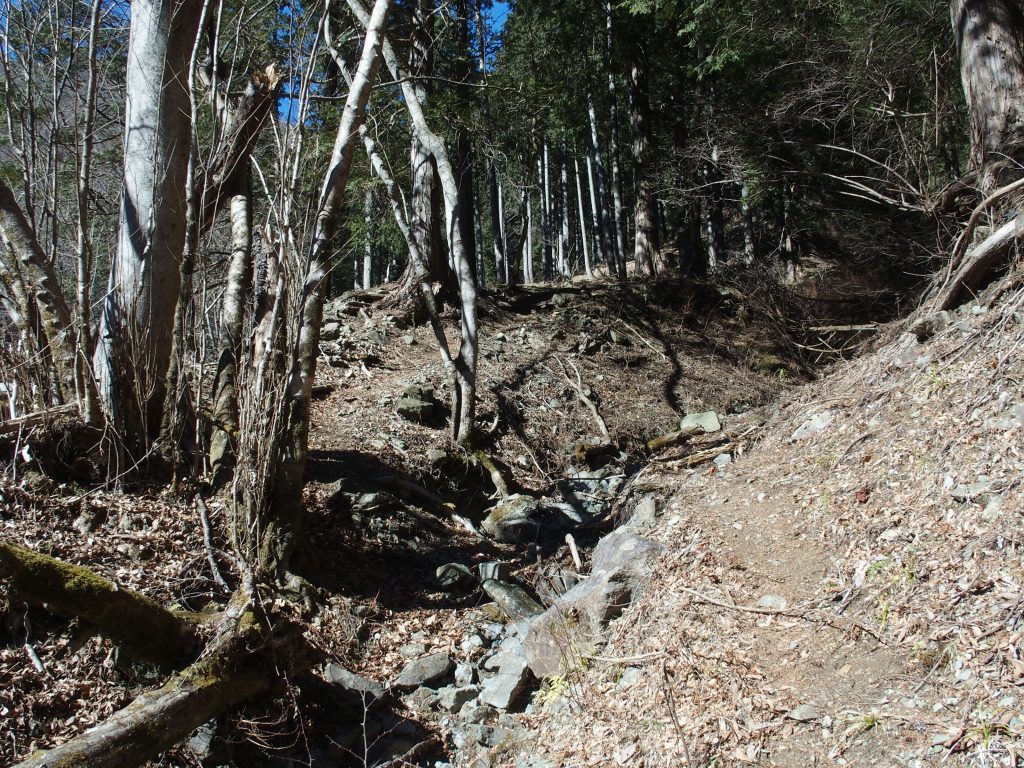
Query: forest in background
(184, 183)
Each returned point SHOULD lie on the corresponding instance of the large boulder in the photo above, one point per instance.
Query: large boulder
(574, 625)
(417, 404)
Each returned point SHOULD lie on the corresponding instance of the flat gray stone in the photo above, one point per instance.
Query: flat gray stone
(814, 425)
(707, 420)
(337, 675)
(495, 570)
(805, 713)
(427, 672)
(508, 682)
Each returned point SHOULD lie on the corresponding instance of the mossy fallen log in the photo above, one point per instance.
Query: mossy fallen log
(234, 669)
(143, 627)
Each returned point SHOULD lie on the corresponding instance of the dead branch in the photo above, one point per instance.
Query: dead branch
(581, 393)
(980, 264)
(960, 247)
(674, 438)
(34, 419)
(146, 629)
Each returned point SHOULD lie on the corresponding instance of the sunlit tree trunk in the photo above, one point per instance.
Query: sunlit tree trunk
(581, 210)
(607, 237)
(136, 329)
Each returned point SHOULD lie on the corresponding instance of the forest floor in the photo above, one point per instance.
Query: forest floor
(847, 590)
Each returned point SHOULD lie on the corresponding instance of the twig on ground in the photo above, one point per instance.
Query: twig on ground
(204, 517)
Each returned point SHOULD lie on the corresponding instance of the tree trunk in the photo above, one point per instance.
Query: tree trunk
(464, 405)
(41, 292)
(607, 235)
(278, 517)
(563, 244)
(135, 337)
(747, 217)
(581, 212)
(644, 245)
(145, 629)
(989, 38)
(544, 172)
(368, 239)
(618, 223)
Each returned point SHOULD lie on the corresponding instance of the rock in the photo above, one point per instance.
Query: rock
(925, 327)
(453, 699)
(513, 521)
(723, 460)
(338, 676)
(495, 570)
(554, 641)
(513, 600)
(465, 673)
(417, 405)
(90, 519)
(772, 602)
(409, 339)
(805, 713)
(330, 331)
(707, 420)
(644, 513)
(624, 551)
(421, 700)
(427, 672)
(454, 577)
(980, 487)
(413, 650)
(207, 747)
(814, 425)
(508, 682)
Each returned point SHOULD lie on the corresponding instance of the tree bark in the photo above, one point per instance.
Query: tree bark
(145, 629)
(581, 211)
(644, 245)
(41, 289)
(135, 338)
(607, 236)
(989, 38)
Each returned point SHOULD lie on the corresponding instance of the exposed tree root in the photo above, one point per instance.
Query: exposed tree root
(142, 626)
(673, 438)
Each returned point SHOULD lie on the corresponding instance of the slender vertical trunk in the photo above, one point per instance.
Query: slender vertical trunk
(368, 239)
(237, 291)
(563, 245)
(506, 259)
(280, 524)
(748, 224)
(545, 211)
(607, 235)
(465, 365)
(86, 384)
(618, 222)
(645, 214)
(989, 40)
(528, 234)
(582, 217)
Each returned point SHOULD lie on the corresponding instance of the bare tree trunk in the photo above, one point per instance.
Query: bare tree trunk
(42, 292)
(464, 410)
(747, 217)
(618, 222)
(368, 239)
(528, 227)
(989, 39)
(607, 236)
(584, 237)
(563, 243)
(279, 523)
(136, 329)
(86, 384)
(644, 245)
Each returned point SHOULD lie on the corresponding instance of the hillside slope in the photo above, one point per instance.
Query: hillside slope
(847, 592)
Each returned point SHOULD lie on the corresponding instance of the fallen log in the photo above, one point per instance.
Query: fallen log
(980, 264)
(674, 438)
(237, 667)
(143, 627)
